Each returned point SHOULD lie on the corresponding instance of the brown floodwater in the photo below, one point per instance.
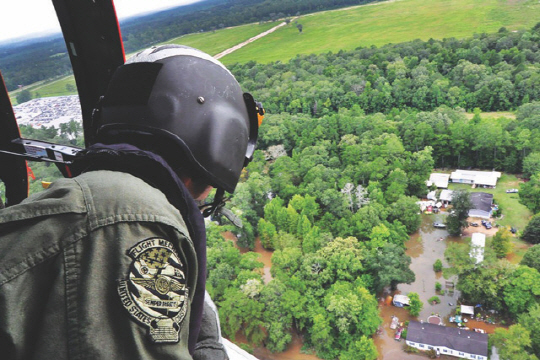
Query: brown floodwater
(424, 248)
(265, 258)
(293, 352)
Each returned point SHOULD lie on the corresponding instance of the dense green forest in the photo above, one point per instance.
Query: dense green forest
(490, 72)
(32, 62)
(28, 63)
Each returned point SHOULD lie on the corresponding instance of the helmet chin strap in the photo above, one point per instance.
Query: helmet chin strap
(218, 208)
(213, 207)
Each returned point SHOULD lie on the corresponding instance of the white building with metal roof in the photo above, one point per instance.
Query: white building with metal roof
(439, 180)
(477, 178)
(447, 340)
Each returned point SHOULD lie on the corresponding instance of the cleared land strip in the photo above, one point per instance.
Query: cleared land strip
(242, 44)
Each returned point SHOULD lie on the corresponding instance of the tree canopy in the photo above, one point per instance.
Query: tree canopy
(461, 204)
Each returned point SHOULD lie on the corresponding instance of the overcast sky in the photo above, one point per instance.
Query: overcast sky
(25, 17)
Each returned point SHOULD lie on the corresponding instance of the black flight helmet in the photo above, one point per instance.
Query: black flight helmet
(186, 103)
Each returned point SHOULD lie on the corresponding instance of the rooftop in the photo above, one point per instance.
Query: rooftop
(478, 242)
(488, 178)
(440, 180)
(446, 195)
(482, 201)
(452, 338)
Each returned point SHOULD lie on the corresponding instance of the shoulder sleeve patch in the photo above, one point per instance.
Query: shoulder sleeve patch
(155, 292)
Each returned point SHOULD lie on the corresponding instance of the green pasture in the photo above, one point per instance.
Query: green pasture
(389, 22)
(56, 87)
(215, 42)
(49, 88)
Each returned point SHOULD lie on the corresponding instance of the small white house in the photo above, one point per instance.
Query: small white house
(448, 340)
(478, 243)
(439, 180)
(432, 195)
(446, 196)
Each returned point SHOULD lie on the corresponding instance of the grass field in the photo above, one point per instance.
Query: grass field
(49, 88)
(215, 42)
(389, 22)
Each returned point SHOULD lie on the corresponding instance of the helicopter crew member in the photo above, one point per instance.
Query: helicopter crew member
(111, 264)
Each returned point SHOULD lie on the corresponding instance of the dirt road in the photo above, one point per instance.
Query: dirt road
(236, 47)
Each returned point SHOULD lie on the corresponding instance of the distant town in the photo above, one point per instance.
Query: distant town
(50, 111)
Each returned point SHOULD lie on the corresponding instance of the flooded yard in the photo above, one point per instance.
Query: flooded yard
(424, 248)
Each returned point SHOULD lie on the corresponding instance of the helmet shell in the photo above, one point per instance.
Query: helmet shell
(186, 98)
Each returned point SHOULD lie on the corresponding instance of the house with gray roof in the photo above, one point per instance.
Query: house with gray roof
(447, 340)
(481, 205)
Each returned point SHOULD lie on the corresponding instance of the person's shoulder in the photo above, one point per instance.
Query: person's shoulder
(62, 197)
(122, 195)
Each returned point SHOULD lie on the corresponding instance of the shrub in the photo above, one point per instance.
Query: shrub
(437, 266)
(438, 286)
(409, 349)
(416, 304)
(434, 299)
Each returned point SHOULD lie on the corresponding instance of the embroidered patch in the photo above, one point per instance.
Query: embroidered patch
(155, 293)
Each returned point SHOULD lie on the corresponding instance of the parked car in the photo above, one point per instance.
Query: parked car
(487, 225)
(439, 225)
(511, 191)
(481, 331)
(475, 224)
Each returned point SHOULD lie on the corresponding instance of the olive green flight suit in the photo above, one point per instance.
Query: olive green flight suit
(96, 267)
